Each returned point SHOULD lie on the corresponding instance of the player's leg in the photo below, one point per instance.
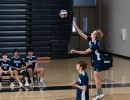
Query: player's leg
(11, 78)
(25, 77)
(30, 72)
(97, 78)
(1, 78)
(41, 71)
(17, 78)
(98, 84)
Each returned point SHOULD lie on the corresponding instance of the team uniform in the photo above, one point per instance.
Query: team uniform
(96, 57)
(32, 66)
(82, 80)
(28, 59)
(16, 62)
(5, 65)
(97, 60)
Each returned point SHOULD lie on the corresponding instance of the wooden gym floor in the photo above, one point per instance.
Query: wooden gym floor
(59, 74)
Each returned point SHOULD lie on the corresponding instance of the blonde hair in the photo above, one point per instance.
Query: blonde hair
(99, 34)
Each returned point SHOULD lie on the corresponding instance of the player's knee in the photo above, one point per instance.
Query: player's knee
(11, 72)
(15, 72)
(29, 70)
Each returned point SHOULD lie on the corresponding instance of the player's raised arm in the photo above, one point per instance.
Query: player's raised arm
(81, 33)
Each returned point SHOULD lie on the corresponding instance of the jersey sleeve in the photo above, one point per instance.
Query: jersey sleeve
(22, 62)
(10, 63)
(11, 59)
(89, 38)
(35, 58)
(26, 59)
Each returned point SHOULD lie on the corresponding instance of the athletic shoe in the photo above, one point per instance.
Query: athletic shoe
(98, 97)
(0, 84)
(12, 84)
(21, 85)
(32, 83)
(42, 84)
(27, 84)
(101, 96)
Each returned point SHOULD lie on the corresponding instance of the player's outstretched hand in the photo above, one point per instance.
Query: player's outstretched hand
(73, 83)
(73, 51)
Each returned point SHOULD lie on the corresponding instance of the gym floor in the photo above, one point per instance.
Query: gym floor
(60, 73)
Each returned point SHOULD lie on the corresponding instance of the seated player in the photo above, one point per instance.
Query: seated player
(6, 68)
(18, 67)
(32, 67)
(82, 83)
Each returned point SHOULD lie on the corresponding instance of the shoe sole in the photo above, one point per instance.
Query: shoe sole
(101, 97)
(27, 87)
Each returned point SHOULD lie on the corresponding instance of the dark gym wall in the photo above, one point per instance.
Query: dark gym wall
(35, 24)
(15, 25)
(87, 3)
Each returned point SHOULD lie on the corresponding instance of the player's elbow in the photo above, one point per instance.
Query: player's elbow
(86, 38)
(85, 52)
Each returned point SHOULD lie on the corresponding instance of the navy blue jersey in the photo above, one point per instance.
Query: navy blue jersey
(17, 62)
(28, 59)
(5, 65)
(94, 46)
(82, 80)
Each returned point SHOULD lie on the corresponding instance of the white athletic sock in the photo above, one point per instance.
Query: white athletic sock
(41, 79)
(20, 83)
(31, 79)
(27, 82)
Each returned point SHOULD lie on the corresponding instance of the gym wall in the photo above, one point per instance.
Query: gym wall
(35, 24)
(87, 3)
(115, 20)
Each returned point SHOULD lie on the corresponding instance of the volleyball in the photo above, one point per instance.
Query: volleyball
(63, 14)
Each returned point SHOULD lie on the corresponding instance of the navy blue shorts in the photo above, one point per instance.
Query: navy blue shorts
(30, 68)
(14, 69)
(98, 65)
